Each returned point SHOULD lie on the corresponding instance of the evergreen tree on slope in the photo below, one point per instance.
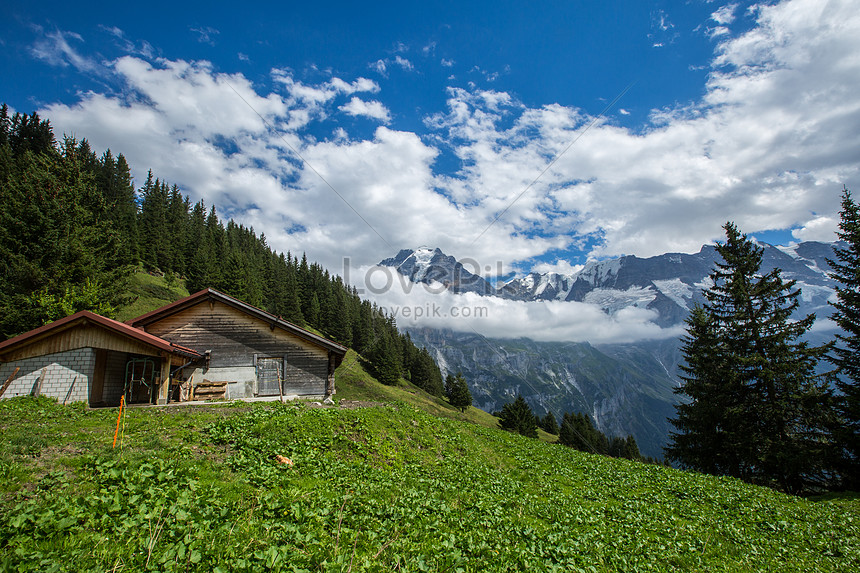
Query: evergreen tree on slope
(458, 392)
(756, 408)
(518, 417)
(846, 352)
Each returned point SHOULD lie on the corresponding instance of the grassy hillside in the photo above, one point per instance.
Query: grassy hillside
(148, 292)
(404, 482)
(372, 489)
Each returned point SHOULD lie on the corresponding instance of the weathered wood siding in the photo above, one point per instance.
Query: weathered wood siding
(88, 336)
(235, 338)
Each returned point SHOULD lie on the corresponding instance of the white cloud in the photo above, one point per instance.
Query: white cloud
(380, 66)
(561, 267)
(768, 146)
(141, 48)
(404, 63)
(818, 229)
(205, 34)
(725, 14)
(371, 109)
(56, 49)
(431, 305)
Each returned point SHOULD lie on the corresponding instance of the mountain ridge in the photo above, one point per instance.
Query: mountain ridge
(669, 284)
(625, 388)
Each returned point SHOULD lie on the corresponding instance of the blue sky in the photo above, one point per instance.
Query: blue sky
(489, 129)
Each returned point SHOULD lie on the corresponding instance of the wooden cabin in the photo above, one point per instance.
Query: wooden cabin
(249, 351)
(207, 345)
(87, 357)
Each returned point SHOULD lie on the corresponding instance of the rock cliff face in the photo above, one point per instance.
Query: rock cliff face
(626, 388)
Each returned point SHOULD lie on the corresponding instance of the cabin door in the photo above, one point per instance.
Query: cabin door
(270, 373)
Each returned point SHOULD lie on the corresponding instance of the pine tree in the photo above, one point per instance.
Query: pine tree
(631, 449)
(548, 424)
(383, 364)
(425, 374)
(756, 408)
(57, 245)
(518, 417)
(459, 397)
(578, 432)
(711, 417)
(846, 351)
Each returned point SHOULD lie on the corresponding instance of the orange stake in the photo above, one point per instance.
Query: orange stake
(118, 418)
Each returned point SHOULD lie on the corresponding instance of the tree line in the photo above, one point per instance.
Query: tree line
(576, 431)
(73, 229)
(757, 400)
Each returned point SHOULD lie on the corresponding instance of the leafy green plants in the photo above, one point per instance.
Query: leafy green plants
(386, 488)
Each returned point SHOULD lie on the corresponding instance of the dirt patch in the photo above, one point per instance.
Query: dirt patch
(353, 404)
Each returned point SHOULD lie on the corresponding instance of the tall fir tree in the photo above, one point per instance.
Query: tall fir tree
(755, 407)
(518, 417)
(425, 374)
(846, 351)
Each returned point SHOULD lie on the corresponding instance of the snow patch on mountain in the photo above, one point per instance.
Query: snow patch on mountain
(597, 273)
(612, 300)
(678, 291)
(790, 250)
(815, 293)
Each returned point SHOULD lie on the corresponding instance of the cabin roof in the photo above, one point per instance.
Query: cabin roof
(209, 294)
(86, 317)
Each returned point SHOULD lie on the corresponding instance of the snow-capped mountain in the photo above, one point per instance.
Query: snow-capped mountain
(669, 284)
(626, 388)
(426, 265)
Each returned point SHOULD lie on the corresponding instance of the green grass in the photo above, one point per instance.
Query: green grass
(355, 383)
(408, 485)
(373, 489)
(149, 292)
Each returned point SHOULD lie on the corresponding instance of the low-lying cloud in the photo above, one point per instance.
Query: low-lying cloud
(433, 305)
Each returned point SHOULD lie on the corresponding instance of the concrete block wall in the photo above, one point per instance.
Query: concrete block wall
(62, 369)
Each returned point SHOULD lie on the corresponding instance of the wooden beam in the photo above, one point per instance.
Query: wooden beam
(37, 387)
(8, 381)
(69, 393)
(164, 386)
(329, 386)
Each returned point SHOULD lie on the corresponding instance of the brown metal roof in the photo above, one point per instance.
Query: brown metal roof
(82, 318)
(212, 294)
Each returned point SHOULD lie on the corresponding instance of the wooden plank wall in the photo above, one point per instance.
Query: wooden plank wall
(235, 337)
(88, 336)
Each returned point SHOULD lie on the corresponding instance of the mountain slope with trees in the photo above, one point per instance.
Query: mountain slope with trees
(73, 229)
